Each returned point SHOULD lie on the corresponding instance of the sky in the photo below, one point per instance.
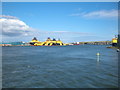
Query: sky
(69, 21)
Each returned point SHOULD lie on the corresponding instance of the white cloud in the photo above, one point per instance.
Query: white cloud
(59, 31)
(102, 13)
(8, 16)
(98, 14)
(11, 26)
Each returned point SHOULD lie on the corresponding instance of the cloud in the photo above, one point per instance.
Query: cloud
(65, 36)
(70, 33)
(7, 16)
(59, 31)
(64, 33)
(98, 14)
(12, 26)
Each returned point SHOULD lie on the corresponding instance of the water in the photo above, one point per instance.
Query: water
(60, 67)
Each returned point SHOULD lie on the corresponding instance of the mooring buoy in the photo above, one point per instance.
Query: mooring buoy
(98, 57)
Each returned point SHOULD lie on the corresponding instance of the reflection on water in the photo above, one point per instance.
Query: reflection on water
(60, 67)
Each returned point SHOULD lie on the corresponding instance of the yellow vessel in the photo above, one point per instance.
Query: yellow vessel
(34, 40)
(48, 42)
(114, 41)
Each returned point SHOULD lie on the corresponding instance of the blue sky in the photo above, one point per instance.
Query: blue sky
(70, 21)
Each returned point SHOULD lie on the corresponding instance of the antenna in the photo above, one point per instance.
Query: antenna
(115, 36)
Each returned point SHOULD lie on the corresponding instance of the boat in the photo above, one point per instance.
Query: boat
(48, 42)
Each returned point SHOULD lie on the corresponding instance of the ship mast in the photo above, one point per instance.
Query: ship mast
(118, 44)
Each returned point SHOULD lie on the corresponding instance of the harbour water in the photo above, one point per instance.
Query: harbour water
(59, 67)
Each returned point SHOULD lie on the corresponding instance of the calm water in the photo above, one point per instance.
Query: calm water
(60, 67)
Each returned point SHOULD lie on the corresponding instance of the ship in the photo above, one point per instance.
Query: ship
(48, 42)
(114, 41)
